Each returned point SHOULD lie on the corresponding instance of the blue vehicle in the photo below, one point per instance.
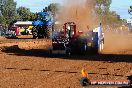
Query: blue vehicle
(43, 25)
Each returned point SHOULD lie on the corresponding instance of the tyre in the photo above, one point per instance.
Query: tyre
(68, 52)
(84, 81)
(80, 46)
(27, 33)
(94, 51)
(35, 35)
(83, 48)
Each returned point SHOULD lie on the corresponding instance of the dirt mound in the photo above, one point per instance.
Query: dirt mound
(25, 44)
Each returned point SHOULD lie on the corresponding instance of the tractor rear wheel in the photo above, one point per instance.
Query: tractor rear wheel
(82, 46)
(95, 51)
(68, 52)
(98, 50)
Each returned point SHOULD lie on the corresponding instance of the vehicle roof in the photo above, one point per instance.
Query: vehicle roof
(23, 23)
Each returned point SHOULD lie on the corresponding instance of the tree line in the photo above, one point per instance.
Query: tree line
(130, 10)
(9, 12)
(108, 17)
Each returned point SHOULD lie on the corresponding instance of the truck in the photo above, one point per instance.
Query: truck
(19, 28)
(43, 25)
(70, 41)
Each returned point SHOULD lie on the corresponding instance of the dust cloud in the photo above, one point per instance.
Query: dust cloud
(116, 43)
(82, 12)
(79, 11)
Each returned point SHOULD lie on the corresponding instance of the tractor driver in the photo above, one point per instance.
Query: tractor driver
(70, 31)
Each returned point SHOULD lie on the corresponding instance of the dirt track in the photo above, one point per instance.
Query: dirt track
(26, 63)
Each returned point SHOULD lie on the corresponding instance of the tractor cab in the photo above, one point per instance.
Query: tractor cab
(70, 30)
(62, 39)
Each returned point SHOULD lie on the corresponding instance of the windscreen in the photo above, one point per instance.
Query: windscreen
(43, 17)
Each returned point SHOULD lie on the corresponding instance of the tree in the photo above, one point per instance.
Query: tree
(2, 20)
(111, 18)
(102, 7)
(33, 16)
(130, 10)
(53, 7)
(8, 10)
(24, 13)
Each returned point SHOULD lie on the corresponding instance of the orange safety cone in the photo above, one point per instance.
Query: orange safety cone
(84, 74)
(84, 80)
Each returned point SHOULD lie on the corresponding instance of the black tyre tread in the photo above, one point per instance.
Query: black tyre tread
(95, 51)
(84, 81)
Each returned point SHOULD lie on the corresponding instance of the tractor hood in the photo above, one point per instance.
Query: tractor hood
(46, 23)
(37, 23)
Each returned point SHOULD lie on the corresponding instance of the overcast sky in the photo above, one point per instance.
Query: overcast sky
(120, 6)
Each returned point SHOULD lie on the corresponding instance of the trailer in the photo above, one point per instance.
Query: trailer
(70, 41)
(20, 28)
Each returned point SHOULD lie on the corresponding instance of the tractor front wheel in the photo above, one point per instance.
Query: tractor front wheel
(35, 35)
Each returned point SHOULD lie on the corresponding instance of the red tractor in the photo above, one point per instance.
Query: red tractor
(69, 41)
